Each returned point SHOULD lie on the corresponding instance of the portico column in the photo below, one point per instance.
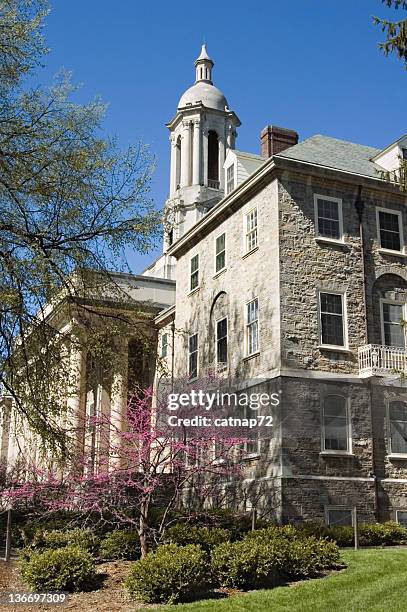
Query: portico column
(76, 403)
(118, 404)
(196, 179)
(185, 154)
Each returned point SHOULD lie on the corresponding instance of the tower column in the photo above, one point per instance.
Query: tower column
(185, 154)
(230, 137)
(205, 155)
(196, 178)
(221, 161)
(173, 170)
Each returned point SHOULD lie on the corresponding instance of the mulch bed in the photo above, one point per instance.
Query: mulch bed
(111, 597)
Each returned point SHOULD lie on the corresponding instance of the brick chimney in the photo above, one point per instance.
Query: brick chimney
(275, 139)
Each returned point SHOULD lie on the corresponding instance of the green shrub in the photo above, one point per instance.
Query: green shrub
(171, 573)
(382, 534)
(120, 545)
(237, 523)
(263, 558)
(248, 563)
(63, 569)
(341, 534)
(207, 537)
(370, 534)
(288, 532)
(56, 538)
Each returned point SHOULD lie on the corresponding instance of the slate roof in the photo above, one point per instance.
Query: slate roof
(334, 153)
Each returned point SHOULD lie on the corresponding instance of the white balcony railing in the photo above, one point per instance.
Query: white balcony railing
(378, 360)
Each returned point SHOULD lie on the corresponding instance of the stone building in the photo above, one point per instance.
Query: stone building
(290, 269)
(298, 276)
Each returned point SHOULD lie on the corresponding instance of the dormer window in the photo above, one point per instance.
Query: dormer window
(230, 179)
(389, 158)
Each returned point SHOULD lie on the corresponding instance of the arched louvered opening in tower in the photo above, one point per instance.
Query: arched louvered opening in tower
(213, 160)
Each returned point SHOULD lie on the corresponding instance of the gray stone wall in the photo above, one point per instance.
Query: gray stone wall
(285, 273)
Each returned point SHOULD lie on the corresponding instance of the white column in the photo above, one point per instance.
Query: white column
(173, 170)
(76, 403)
(118, 405)
(196, 162)
(185, 154)
(205, 155)
(221, 161)
(230, 137)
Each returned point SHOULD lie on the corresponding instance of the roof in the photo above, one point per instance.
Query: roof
(246, 154)
(204, 92)
(335, 153)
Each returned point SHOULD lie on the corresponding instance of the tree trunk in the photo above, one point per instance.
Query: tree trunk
(143, 526)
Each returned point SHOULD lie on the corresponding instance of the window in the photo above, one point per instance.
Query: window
(230, 178)
(398, 427)
(220, 252)
(193, 356)
(339, 516)
(335, 424)
(164, 345)
(328, 217)
(332, 319)
(252, 444)
(222, 341)
(401, 517)
(392, 324)
(251, 230)
(404, 153)
(252, 326)
(194, 275)
(390, 233)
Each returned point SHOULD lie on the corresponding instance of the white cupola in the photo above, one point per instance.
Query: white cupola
(201, 132)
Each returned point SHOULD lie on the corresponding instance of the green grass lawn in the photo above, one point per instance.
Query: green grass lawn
(375, 580)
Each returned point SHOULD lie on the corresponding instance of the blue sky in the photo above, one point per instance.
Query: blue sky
(309, 65)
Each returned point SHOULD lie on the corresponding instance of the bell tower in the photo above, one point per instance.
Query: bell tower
(201, 132)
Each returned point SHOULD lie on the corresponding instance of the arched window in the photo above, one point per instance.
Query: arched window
(398, 427)
(335, 424)
(213, 159)
(178, 162)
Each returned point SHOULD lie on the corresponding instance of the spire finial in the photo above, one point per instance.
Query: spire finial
(204, 66)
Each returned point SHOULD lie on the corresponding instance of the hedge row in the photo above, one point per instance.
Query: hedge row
(174, 573)
(370, 534)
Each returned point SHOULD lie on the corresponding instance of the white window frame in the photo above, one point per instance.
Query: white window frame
(215, 254)
(195, 272)
(248, 455)
(397, 514)
(229, 181)
(336, 347)
(400, 220)
(404, 314)
(246, 324)
(388, 402)
(216, 341)
(197, 356)
(246, 233)
(319, 236)
(328, 451)
(345, 508)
